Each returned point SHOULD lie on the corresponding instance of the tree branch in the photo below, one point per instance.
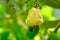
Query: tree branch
(57, 27)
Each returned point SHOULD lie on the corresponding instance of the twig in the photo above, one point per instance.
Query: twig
(57, 27)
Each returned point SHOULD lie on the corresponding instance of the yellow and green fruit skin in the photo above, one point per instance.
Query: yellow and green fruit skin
(34, 17)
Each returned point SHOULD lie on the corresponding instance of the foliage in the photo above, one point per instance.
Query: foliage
(13, 14)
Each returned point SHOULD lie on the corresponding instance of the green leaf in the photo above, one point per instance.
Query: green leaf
(53, 36)
(30, 4)
(43, 30)
(50, 24)
(31, 35)
(2, 10)
(4, 35)
(1, 22)
(17, 32)
(10, 8)
(47, 13)
(58, 33)
(53, 3)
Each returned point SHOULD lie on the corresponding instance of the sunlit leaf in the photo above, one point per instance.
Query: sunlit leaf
(47, 13)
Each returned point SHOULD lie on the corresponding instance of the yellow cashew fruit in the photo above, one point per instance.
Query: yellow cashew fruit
(34, 17)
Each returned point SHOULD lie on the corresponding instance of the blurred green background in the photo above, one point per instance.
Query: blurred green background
(13, 14)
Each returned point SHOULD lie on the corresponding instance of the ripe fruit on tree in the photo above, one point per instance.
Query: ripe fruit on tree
(34, 19)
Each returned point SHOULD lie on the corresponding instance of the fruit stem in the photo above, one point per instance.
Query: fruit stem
(36, 4)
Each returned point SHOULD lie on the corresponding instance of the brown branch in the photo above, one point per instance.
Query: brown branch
(57, 27)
